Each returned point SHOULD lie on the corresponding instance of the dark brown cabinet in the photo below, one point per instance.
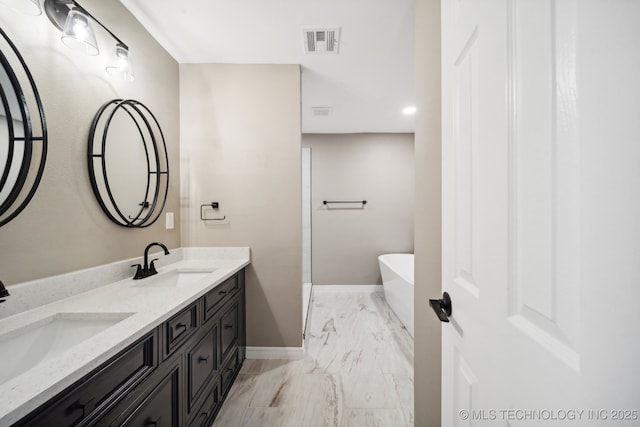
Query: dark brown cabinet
(229, 371)
(159, 409)
(214, 298)
(206, 412)
(103, 388)
(203, 362)
(158, 406)
(176, 375)
(230, 327)
(180, 327)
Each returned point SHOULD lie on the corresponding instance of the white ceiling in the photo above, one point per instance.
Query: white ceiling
(366, 85)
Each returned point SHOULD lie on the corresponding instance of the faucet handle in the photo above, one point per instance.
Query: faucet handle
(152, 267)
(138, 274)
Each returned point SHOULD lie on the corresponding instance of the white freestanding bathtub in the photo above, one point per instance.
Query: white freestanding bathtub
(397, 281)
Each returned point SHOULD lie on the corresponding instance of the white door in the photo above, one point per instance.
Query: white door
(541, 212)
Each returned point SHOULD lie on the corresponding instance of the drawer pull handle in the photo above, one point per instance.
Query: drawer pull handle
(204, 414)
(230, 369)
(152, 423)
(228, 326)
(181, 326)
(223, 293)
(203, 359)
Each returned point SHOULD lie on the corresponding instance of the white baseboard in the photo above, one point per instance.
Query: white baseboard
(291, 353)
(347, 288)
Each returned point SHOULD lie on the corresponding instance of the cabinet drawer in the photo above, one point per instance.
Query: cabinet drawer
(161, 407)
(214, 298)
(180, 327)
(229, 372)
(202, 363)
(101, 388)
(202, 416)
(230, 328)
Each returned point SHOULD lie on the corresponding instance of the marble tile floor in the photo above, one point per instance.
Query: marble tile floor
(358, 371)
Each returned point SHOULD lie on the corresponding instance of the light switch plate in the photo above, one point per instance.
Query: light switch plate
(169, 220)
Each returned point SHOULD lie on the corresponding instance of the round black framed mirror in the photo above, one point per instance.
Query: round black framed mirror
(23, 133)
(128, 163)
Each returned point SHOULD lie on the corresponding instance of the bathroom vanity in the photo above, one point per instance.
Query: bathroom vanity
(174, 371)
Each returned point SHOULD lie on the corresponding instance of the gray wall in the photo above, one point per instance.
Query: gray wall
(378, 168)
(63, 228)
(427, 360)
(240, 133)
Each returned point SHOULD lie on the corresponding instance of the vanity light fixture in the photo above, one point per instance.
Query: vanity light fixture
(78, 33)
(122, 68)
(75, 23)
(28, 7)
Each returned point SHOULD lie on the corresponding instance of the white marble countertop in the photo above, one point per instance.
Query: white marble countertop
(149, 307)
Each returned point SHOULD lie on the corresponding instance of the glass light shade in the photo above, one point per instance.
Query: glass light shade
(122, 68)
(78, 33)
(28, 7)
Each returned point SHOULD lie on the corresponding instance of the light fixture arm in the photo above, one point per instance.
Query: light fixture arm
(83, 10)
(57, 11)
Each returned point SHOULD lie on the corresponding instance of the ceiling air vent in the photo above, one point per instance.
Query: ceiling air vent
(321, 40)
(321, 111)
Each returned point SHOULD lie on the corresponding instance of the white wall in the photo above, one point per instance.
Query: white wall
(240, 146)
(378, 168)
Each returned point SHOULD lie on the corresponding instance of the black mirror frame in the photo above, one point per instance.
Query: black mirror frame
(20, 195)
(156, 148)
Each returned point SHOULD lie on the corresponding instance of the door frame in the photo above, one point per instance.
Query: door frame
(428, 218)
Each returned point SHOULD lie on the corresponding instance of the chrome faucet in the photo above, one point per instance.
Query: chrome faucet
(3, 292)
(148, 269)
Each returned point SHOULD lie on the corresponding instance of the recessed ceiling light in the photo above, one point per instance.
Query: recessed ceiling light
(409, 110)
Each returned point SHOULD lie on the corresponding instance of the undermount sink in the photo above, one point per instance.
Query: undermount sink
(35, 343)
(178, 278)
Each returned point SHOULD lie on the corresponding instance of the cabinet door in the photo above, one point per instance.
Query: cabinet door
(203, 416)
(179, 328)
(104, 387)
(230, 327)
(161, 408)
(229, 372)
(202, 365)
(215, 298)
